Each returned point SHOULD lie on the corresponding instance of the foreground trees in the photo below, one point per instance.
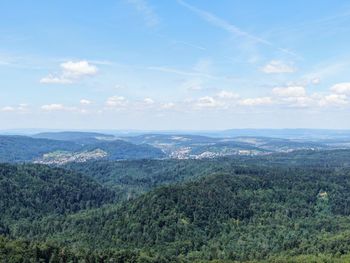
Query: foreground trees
(220, 211)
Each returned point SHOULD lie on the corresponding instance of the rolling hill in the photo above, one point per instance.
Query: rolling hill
(27, 149)
(53, 151)
(261, 214)
(31, 191)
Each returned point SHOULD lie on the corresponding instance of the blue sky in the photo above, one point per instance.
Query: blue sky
(177, 64)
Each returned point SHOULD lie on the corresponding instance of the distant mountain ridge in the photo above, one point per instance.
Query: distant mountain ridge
(80, 137)
(29, 149)
(62, 147)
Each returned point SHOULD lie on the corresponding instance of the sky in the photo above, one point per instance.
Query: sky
(175, 64)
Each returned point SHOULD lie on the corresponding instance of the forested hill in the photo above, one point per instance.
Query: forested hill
(261, 215)
(133, 177)
(23, 148)
(17, 149)
(121, 150)
(31, 191)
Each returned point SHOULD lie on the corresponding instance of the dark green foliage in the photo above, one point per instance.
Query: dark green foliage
(31, 191)
(136, 177)
(21, 251)
(238, 216)
(280, 208)
(132, 178)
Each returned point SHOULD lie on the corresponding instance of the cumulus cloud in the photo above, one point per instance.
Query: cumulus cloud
(276, 66)
(79, 68)
(70, 72)
(85, 102)
(148, 101)
(341, 88)
(293, 91)
(334, 100)
(53, 107)
(256, 101)
(168, 105)
(8, 109)
(299, 102)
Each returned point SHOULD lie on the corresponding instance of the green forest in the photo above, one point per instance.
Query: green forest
(292, 207)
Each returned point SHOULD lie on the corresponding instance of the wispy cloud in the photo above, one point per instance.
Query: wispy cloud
(233, 29)
(179, 71)
(189, 45)
(328, 69)
(277, 67)
(150, 17)
(18, 62)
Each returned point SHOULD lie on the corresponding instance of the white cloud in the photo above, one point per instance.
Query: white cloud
(227, 95)
(53, 107)
(148, 101)
(276, 66)
(116, 101)
(299, 102)
(71, 71)
(207, 102)
(79, 68)
(21, 108)
(341, 88)
(51, 79)
(292, 91)
(85, 102)
(315, 81)
(8, 109)
(256, 101)
(169, 105)
(334, 99)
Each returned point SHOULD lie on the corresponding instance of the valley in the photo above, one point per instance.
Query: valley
(281, 206)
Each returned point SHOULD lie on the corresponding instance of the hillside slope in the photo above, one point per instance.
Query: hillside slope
(23, 148)
(16, 149)
(31, 191)
(238, 216)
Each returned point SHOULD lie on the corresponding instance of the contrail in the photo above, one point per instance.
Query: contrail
(219, 22)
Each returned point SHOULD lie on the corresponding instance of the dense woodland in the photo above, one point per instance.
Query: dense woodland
(279, 208)
(32, 191)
